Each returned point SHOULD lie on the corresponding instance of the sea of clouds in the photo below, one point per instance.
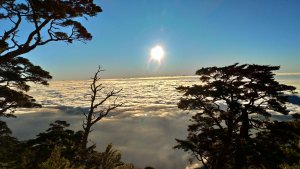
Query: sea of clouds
(143, 129)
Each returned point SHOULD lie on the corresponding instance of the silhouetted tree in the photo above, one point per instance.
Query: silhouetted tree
(98, 107)
(61, 147)
(277, 146)
(46, 21)
(66, 140)
(57, 161)
(111, 159)
(8, 147)
(50, 21)
(231, 104)
(14, 77)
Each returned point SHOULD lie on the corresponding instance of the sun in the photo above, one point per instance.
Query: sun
(157, 53)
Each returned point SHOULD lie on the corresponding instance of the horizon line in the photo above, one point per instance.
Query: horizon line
(166, 77)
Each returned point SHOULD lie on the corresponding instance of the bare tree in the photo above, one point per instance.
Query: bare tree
(98, 109)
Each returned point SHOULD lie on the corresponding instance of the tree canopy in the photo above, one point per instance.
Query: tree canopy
(45, 21)
(233, 103)
(33, 23)
(49, 20)
(57, 147)
(14, 77)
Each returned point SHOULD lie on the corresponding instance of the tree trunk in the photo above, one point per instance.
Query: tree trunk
(240, 156)
(244, 130)
(222, 159)
(85, 136)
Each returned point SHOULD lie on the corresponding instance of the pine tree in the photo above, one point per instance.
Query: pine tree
(231, 104)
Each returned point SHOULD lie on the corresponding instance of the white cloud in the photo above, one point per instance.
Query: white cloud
(144, 129)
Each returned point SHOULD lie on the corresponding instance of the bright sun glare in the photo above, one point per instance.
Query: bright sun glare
(157, 54)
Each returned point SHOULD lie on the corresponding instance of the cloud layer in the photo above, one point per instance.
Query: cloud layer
(144, 129)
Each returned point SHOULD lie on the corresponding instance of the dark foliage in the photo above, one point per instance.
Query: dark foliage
(62, 147)
(41, 147)
(233, 103)
(278, 145)
(58, 147)
(14, 78)
(51, 20)
(9, 147)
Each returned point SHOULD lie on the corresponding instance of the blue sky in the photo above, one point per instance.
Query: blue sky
(194, 34)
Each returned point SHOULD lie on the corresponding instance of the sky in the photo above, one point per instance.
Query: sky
(193, 34)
